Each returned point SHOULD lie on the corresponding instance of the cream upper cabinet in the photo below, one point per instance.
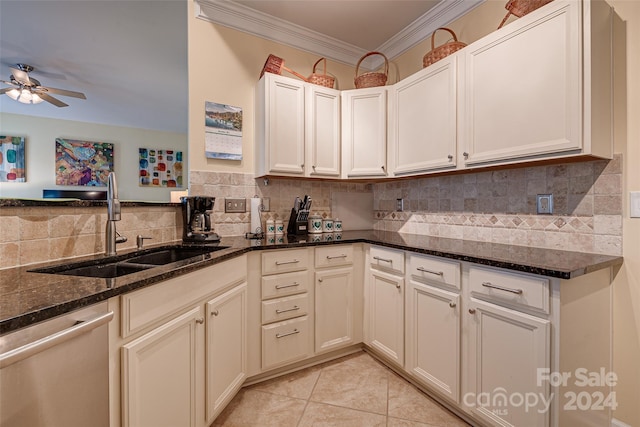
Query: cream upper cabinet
(540, 87)
(280, 122)
(322, 132)
(364, 133)
(297, 128)
(422, 120)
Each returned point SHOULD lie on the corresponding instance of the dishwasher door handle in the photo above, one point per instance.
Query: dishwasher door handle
(28, 350)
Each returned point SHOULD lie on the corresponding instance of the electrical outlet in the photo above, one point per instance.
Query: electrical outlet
(399, 205)
(544, 204)
(235, 205)
(266, 204)
(634, 204)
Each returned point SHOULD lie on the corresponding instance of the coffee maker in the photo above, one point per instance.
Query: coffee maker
(196, 218)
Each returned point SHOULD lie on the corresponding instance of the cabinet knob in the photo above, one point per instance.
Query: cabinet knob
(382, 167)
(398, 285)
(472, 311)
(215, 312)
(452, 304)
(302, 166)
(450, 157)
(320, 280)
(465, 154)
(313, 167)
(200, 321)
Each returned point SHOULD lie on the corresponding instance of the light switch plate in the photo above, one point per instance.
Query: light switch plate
(544, 204)
(399, 205)
(634, 203)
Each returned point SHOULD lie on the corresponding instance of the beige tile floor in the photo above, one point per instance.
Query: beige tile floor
(354, 391)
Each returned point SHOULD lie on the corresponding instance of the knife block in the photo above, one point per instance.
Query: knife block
(296, 225)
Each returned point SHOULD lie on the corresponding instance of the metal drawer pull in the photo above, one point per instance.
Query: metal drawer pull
(452, 304)
(424, 270)
(472, 311)
(390, 261)
(200, 321)
(215, 312)
(288, 286)
(491, 285)
(336, 257)
(295, 261)
(286, 334)
(398, 285)
(294, 308)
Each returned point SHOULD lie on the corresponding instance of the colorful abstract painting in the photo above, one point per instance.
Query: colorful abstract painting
(160, 168)
(83, 163)
(12, 166)
(223, 131)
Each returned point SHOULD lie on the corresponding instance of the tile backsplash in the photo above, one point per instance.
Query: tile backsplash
(497, 206)
(500, 206)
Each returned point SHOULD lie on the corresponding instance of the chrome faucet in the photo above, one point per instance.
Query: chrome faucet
(112, 238)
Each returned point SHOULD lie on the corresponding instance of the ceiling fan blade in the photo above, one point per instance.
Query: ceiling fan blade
(52, 100)
(64, 92)
(5, 90)
(20, 76)
(10, 83)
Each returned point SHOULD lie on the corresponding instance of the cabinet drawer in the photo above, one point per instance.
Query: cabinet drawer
(329, 256)
(285, 342)
(285, 308)
(284, 261)
(506, 288)
(281, 285)
(434, 270)
(389, 259)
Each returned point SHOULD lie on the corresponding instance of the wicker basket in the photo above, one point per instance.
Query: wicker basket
(321, 79)
(275, 65)
(520, 8)
(371, 79)
(442, 51)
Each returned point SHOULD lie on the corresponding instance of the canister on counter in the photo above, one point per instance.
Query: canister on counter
(327, 225)
(337, 225)
(279, 226)
(271, 226)
(315, 224)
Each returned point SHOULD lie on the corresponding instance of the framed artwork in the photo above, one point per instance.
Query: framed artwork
(83, 163)
(12, 165)
(160, 168)
(223, 131)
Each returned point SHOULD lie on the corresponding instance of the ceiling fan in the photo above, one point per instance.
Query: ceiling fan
(28, 90)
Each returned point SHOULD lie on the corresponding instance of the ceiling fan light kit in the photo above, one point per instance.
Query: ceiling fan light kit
(28, 90)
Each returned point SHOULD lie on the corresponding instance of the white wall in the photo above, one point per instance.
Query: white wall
(40, 134)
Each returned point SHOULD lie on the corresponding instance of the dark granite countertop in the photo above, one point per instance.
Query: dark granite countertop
(75, 203)
(27, 297)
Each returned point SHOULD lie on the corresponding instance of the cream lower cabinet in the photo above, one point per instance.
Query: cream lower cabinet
(178, 348)
(507, 350)
(226, 344)
(384, 303)
(334, 297)
(160, 373)
(540, 87)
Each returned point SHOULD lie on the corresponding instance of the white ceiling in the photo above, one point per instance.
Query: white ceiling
(130, 57)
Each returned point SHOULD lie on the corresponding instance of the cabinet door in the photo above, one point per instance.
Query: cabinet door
(226, 346)
(322, 131)
(507, 351)
(364, 132)
(334, 308)
(523, 88)
(433, 338)
(422, 134)
(283, 125)
(386, 315)
(160, 374)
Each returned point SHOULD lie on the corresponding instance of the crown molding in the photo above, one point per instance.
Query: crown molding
(242, 18)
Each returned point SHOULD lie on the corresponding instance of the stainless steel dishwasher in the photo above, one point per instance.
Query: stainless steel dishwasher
(56, 373)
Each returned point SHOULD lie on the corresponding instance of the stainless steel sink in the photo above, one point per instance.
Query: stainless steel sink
(134, 262)
(168, 256)
(105, 271)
